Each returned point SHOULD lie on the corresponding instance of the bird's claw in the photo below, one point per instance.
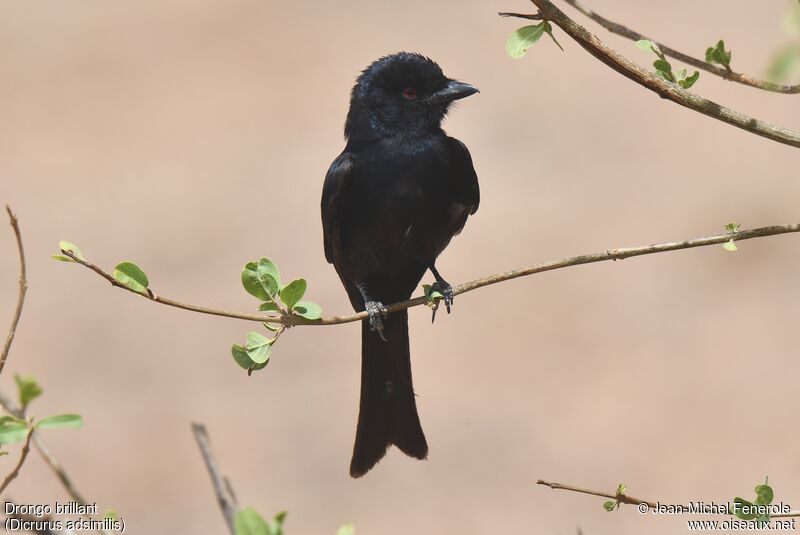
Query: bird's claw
(376, 312)
(446, 290)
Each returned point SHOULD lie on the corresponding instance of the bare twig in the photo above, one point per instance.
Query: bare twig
(613, 254)
(46, 454)
(727, 74)
(23, 287)
(24, 455)
(624, 498)
(536, 16)
(663, 88)
(227, 502)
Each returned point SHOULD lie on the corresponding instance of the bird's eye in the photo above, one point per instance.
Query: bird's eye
(409, 93)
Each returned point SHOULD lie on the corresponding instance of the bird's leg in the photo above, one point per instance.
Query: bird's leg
(376, 311)
(443, 287)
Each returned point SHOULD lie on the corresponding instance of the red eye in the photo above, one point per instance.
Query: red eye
(409, 93)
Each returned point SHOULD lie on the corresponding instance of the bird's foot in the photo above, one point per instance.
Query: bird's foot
(377, 312)
(446, 290)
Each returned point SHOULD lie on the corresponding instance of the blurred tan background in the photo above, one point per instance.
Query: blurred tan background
(193, 136)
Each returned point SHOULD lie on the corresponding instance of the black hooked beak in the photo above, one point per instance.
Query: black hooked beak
(454, 90)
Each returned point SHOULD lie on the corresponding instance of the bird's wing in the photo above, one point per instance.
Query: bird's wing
(464, 176)
(335, 180)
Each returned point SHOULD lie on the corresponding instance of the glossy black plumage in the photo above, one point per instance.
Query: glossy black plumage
(391, 202)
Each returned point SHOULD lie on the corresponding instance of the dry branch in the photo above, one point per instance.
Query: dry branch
(661, 87)
(222, 489)
(727, 74)
(624, 498)
(613, 254)
(23, 287)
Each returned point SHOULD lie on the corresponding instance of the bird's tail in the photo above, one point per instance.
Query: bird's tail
(388, 412)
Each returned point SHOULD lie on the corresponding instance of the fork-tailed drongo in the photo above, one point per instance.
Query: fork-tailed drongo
(390, 205)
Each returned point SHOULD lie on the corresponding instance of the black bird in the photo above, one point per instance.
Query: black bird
(390, 205)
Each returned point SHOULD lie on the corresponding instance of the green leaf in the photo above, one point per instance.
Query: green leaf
(764, 494)
(347, 529)
(430, 294)
(11, 419)
(293, 292)
(308, 310)
(248, 522)
(28, 388)
(132, 276)
(261, 279)
(256, 367)
(732, 226)
(13, 432)
(730, 246)
(70, 247)
(645, 44)
(621, 488)
(258, 347)
(718, 54)
(738, 503)
(241, 357)
(686, 83)
(523, 38)
(609, 506)
(60, 421)
(277, 524)
(268, 306)
(664, 66)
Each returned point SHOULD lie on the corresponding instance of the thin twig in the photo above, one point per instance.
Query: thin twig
(536, 16)
(620, 497)
(613, 254)
(46, 454)
(624, 498)
(23, 288)
(663, 88)
(722, 72)
(222, 488)
(24, 455)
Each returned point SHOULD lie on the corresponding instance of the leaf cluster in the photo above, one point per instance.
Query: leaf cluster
(14, 429)
(664, 67)
(262, 280)
(744, 508)
(612, 505)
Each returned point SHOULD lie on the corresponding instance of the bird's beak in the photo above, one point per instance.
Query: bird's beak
(454, 90)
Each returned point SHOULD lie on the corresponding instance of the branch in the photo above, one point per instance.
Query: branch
(227, 502)
(624, 498)
(44, 451)
(23, 287)
(537, 16)
(663, 88)
(727, 74)
(24, 455)
(613, 254)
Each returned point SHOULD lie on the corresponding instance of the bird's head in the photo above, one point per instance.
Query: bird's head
(402, 94)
